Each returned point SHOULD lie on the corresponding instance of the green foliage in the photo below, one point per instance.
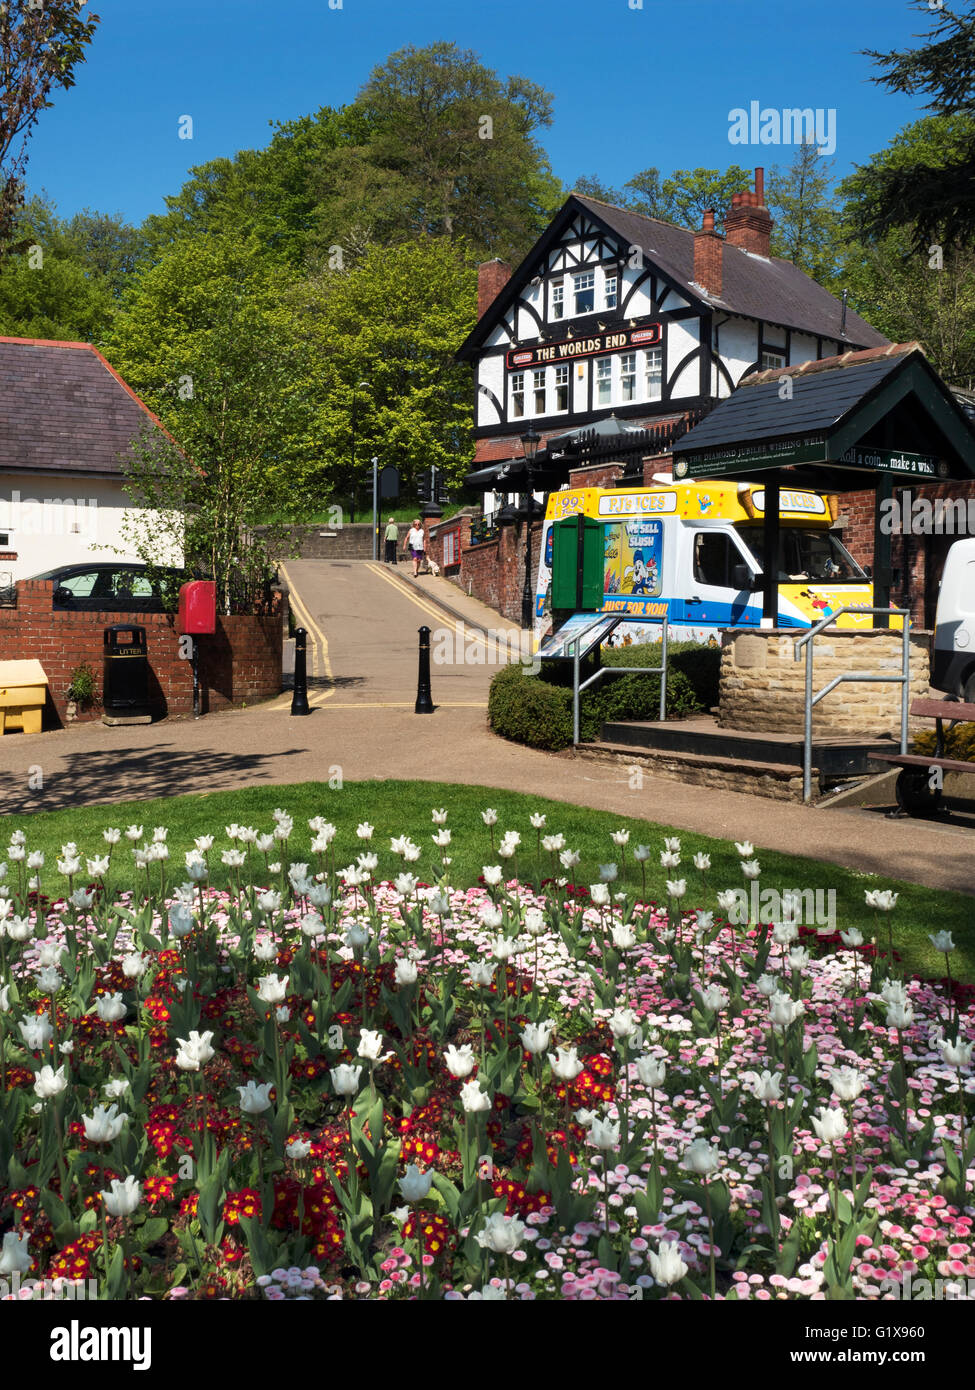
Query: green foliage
(682, 199)
(537, 711)
(411, 157)
(959, 743)
(395, 321)
(64, 282)
(806, 226)
(205, 337)
(909, 292)
(934, 192)
(81, 687)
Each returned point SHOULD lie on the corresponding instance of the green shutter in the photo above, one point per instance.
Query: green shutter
(593, 564)
(565, 563)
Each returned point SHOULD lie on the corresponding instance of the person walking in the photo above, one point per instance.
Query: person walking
(416, 545)
(392, 538)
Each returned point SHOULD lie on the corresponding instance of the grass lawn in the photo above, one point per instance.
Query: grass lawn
(403, 808)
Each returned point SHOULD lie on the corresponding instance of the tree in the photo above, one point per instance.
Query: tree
(806, 228)
(206, 339)
(395, 321)
(462, 139)
(682, 199)
(934, 193)
(928, 298)
(41, 44)
(65, 283)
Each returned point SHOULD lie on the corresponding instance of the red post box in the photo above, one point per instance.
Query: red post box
(198, 607)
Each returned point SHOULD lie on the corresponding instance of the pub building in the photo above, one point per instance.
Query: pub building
(618, 335)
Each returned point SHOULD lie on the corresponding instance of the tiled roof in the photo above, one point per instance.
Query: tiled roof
(63, 408)
(770, 289)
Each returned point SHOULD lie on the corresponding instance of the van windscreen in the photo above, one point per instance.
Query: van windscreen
(805, 555)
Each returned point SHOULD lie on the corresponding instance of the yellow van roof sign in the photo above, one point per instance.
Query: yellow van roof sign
(699, 501)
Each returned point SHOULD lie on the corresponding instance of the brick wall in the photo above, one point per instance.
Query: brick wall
(916, 559)
(240, 664)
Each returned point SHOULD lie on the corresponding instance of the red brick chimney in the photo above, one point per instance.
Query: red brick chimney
(492, 276)
(748, 223)
(708, 255)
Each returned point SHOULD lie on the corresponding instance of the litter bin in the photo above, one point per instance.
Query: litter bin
(125, 685)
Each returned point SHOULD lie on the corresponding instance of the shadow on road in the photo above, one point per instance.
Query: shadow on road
(89, 778)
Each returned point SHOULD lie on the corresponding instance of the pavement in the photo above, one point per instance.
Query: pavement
(363, 620)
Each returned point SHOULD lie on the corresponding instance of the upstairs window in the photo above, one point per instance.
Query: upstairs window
(655, 374)
(558, 300)
(772, 361)
(561, 388)
(584, 287)
(604, 381)
(610, 286)
(538, 387)
(517, 394)
(628, 376)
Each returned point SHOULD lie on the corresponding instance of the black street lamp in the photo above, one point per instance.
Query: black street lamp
(530, 443)
(355, 390)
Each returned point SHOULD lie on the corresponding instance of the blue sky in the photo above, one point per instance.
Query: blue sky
(632, 87)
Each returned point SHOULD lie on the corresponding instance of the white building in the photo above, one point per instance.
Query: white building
(613, 313)
(67, 421)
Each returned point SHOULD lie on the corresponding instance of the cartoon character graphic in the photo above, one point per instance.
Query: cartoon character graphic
(643, 579)
(706, 503)
(817, 601)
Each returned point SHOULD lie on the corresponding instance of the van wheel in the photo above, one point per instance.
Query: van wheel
(915, 795)
(968, 695)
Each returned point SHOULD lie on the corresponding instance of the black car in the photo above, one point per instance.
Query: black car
(115, 587)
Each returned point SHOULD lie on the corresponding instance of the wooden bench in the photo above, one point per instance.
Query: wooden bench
(918, 791)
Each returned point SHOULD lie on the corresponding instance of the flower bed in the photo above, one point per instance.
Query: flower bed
(325, 1083)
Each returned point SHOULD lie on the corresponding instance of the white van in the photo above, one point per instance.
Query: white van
(691, 553)
(953, 644)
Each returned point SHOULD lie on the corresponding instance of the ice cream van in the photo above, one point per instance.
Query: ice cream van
(693, 553)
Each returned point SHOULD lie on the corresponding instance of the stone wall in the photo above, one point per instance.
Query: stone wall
(322, 542)
(762, 686)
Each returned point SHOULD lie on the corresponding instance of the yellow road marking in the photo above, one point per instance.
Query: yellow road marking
(427, 607)
(319, 643)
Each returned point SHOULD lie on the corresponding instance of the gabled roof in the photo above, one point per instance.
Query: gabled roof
(772, 290)
(841, 402)
(64, 409)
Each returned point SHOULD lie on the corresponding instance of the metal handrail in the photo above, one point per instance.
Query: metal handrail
(903, 680)
(577, 689)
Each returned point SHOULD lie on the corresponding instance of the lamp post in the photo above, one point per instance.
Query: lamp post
(530, 443)
(355, 391)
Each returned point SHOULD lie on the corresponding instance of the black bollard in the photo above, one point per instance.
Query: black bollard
(424, 700)
(299, 700)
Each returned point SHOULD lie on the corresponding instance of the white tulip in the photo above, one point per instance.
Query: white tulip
(473, 1099)
(566, 1065)
(502, 1234)
(255, 1097)
(460, 1060)
(829, 1124)
(701, 1158)
(123, 1198)
(414, 1185)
